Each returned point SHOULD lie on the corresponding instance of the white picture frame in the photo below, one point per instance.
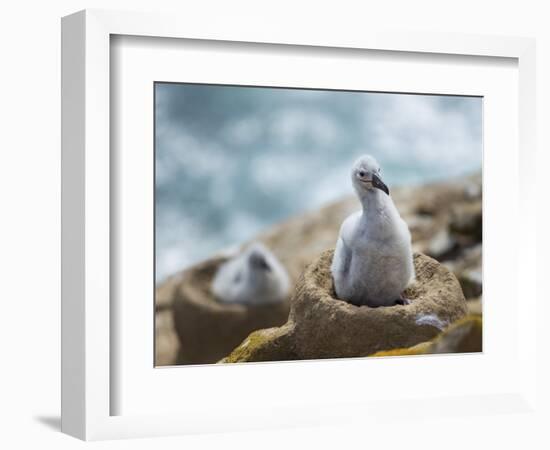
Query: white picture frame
(87, 328)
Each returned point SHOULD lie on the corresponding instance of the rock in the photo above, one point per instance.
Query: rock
(419, 224)
(271, 344)
(466, 221)
(434, 198)
(473, 191)
(207, 329)
(471, 282)
(430, 209)
(467, 266)
(442, 245)
(322, 326)
(468, 258)
(164, 293)
(166, 340)
(464, 336)
(475, 306)
(418, 349)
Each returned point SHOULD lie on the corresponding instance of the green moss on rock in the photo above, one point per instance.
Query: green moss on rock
(272, 344)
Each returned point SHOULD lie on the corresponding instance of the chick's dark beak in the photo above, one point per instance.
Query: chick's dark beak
(379, 184)
(258, 261)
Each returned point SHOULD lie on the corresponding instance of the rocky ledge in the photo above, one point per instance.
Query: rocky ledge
(445, 220)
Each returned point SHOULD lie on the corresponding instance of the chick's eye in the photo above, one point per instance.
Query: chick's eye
(361, 173)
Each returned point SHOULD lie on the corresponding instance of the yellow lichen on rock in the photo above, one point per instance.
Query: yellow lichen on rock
(418, 349)
(463, 336)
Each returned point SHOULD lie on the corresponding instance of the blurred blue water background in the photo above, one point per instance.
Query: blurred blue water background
(230, 161)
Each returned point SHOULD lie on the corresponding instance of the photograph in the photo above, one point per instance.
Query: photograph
(300, 224)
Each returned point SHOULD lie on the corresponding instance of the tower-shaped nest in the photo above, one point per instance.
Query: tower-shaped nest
(208, 329)
(322, 326)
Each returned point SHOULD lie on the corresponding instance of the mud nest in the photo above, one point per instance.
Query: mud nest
(208, 329)
(322, 326)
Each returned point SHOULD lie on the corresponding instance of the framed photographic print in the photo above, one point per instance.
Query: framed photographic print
(251, 214)
(215, 189)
